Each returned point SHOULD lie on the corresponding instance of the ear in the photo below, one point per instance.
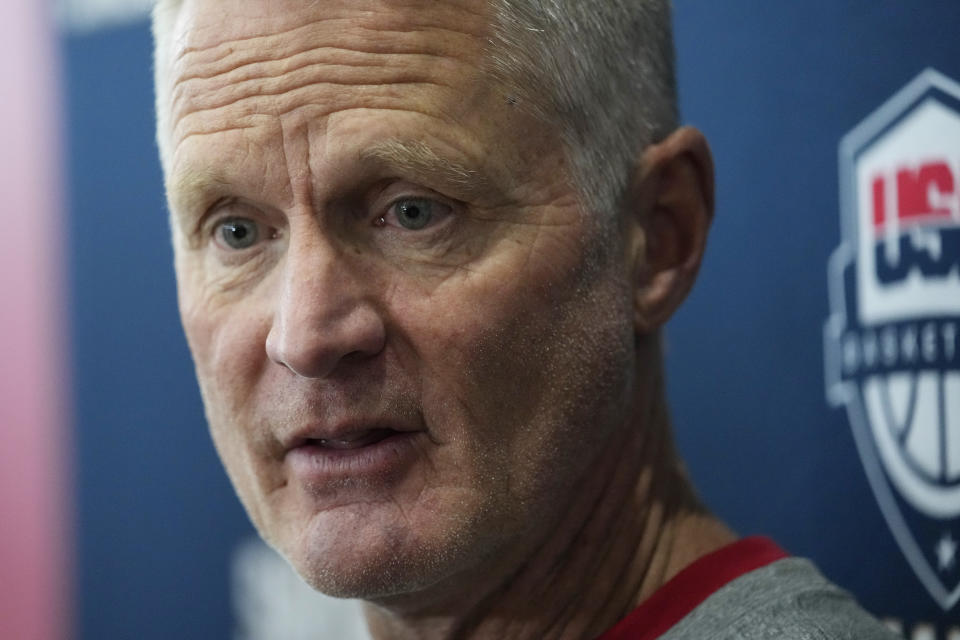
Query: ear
(668, 213)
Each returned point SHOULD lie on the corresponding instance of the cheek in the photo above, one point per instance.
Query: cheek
(226, 335)
(227, 343)
(519, 359)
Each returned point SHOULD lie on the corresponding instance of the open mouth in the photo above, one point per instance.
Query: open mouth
(335, 454)
(356, 440)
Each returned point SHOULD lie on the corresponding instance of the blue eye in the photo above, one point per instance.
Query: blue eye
(413, 214)
(239, 233)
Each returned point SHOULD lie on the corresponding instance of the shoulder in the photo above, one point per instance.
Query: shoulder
(786, 599)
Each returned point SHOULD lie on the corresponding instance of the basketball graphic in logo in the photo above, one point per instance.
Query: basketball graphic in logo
(892, 342)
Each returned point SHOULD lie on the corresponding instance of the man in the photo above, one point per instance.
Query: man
(424, 249)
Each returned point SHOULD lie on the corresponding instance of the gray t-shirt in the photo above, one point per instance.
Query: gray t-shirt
(786, 599)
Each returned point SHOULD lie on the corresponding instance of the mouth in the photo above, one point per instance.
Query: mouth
(319, 459)
(350, 441)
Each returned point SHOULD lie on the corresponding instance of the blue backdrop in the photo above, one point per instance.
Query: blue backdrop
(773, 85)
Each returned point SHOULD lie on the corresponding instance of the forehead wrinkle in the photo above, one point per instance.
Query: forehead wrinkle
(258, 68)
(344, 50)
(279, 89)
(465, 16)
(272, 56)
(253, 120)
(274, 47)
(215, 130)
(335, 58)
(270, 99)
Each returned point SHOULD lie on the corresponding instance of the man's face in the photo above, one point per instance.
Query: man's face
(410, 345)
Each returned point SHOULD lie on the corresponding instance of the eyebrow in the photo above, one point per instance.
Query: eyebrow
(191, 191)
(420, 160)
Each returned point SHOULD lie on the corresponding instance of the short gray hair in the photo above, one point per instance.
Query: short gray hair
(600, 71)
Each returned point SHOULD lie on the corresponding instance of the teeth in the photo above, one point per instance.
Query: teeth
(356, 441)
(339, 444)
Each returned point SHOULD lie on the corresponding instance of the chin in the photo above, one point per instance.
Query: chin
(377, 579)
(352, 556)
(377, 574)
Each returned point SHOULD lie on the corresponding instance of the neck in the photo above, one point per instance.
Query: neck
(627, 533)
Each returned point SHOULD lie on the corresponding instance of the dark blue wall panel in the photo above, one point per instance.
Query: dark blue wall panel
(156, 515)
(775, 86)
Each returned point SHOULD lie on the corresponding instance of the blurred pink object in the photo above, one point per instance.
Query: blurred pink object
(35, 590)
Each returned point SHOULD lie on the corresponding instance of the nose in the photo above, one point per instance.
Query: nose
(323, 314)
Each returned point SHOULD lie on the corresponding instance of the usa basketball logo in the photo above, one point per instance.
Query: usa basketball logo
(892, 342)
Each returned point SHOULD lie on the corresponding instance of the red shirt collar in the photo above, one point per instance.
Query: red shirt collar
(685, 591)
